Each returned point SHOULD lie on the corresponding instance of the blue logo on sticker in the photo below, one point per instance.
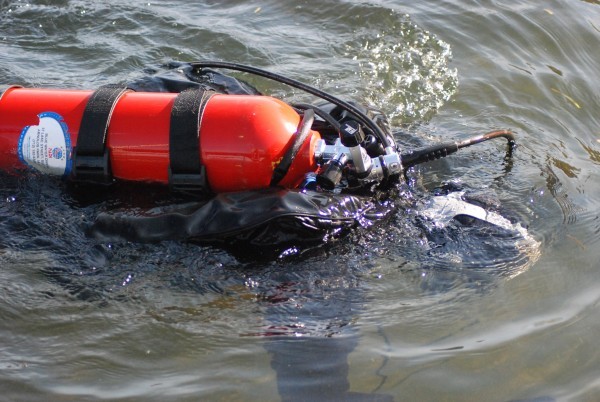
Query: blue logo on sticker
(57, 153)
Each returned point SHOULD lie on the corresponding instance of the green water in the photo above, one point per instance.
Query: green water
(378, 313)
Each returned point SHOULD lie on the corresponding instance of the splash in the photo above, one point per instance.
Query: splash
(518, 249)
(405, 71)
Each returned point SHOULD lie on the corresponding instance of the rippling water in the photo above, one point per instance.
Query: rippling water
(396, 310)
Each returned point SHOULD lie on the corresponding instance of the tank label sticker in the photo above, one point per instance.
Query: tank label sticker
(47, 146)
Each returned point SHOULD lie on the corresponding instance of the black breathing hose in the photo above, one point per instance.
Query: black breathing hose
(301, 135)
(321, 113)
(386, 141)
(438, 151)
(408, 159)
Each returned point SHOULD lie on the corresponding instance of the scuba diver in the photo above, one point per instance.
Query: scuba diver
(254, 173)
(317, 167)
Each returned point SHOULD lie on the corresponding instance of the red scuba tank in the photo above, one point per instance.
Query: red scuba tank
(242, 138)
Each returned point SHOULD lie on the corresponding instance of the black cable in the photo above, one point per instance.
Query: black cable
(301, 135)
(358, 114)
(321, 113)
(438, 151)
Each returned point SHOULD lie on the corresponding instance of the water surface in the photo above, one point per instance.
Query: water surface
(385, 311)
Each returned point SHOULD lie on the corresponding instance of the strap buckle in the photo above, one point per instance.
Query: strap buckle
(94, 168)
(189, 182)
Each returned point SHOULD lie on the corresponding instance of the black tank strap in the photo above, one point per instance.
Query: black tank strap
(186, 173)
(91, 159)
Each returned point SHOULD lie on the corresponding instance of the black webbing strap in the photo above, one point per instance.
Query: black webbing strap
(91, 159)
(186, 173)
